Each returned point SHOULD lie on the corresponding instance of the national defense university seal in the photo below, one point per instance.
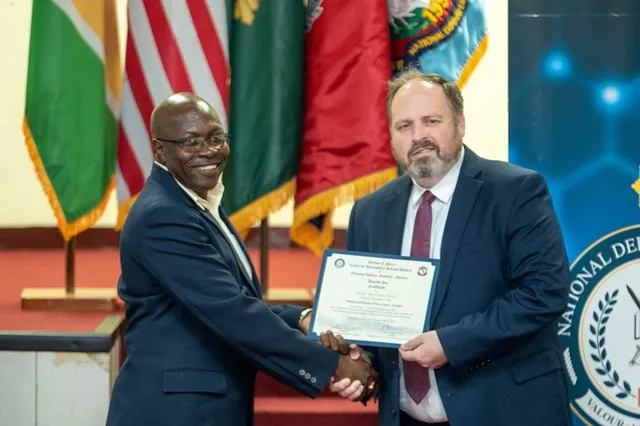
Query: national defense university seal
(599, 331)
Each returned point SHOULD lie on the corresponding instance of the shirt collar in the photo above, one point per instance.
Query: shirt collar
(214, 196)
(443, 190)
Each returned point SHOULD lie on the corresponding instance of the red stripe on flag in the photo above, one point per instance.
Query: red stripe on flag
(211, 46)
(129, 167)
(167, 47)
(138, 83)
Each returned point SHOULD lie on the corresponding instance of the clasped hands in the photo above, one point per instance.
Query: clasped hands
(424, 349)
(355, 378)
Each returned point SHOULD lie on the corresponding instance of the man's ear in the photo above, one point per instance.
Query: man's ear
(159, 149)
(461, 124)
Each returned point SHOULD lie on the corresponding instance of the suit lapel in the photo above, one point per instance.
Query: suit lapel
(463, 201)
(164, 178)
(249, 281)
(255, 283)
(394, 214)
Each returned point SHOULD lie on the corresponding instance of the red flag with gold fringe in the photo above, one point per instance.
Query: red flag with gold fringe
(345, 151)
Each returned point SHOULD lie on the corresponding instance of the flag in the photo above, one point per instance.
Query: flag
(173, 46)
(267, 62)
(346, 150)
(446, 37)
(71, 109)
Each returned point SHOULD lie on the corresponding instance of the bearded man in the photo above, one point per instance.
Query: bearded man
(490, 356)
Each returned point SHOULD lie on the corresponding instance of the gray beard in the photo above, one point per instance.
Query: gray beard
(420, 171)
(427, 174)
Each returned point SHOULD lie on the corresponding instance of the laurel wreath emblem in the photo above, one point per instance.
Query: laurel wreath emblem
(597, 342)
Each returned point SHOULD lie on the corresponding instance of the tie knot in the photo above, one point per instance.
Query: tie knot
(427, 198)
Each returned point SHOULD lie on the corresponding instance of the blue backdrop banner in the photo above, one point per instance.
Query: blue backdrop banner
(574, 116)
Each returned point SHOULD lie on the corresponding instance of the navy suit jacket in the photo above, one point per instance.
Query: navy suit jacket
(197, 328)
(502, 284)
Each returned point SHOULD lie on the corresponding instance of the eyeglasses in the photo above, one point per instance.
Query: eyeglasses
(197, 144)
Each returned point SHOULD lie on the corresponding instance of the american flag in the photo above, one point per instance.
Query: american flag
(172, 46)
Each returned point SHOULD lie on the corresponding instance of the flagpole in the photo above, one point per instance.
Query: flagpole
(70, 266)
(264, 255)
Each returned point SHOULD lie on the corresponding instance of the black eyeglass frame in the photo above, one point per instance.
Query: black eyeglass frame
(218, 141)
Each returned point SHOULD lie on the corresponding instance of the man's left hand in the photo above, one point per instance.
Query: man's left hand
(425, 349)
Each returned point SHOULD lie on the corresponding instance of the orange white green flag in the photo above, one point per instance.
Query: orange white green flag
(72, 102)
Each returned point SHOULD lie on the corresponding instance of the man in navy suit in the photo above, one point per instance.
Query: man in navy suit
(491, 355)
(197, 328)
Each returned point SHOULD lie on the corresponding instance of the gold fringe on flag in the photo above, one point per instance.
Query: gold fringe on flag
(305, 234)
(68, 230)
(473, 61)
(244, 218)
(259, 209)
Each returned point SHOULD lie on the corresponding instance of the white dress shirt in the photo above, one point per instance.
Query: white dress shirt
(212, 203)
(430, 409)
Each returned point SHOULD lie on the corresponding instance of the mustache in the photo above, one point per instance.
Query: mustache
(423, 143)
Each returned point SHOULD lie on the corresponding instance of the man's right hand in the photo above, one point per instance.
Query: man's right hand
(346, 387)
(353, 369)
(352, 390)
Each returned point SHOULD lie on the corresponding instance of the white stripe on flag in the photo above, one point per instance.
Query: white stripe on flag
(136, 130)
(122, 189)
(154, 72)
(112, 103)
(195, 62)
(218, 11)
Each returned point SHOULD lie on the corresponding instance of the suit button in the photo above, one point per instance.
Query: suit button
(301, 372)
(313, 380)
(307, 376)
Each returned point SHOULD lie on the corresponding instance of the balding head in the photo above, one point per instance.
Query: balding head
(189, 140)
(171, 111)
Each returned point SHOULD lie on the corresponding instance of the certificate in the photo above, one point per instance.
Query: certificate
(373, 299)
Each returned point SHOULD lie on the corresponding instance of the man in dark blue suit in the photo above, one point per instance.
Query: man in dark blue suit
(491, 355)
(197, 327)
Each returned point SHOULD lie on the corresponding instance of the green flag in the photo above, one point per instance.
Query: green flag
(266, 101)
(70, 123)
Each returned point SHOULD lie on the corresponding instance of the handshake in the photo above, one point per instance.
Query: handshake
(355, 378)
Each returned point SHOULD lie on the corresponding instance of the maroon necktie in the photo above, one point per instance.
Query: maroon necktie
(416, 377)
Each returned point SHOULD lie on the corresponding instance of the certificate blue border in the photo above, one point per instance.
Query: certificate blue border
(327, 253)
